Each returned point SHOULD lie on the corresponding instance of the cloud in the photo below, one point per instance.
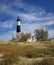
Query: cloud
(5, 37)
(51, 33)
(8, 35)
(6, 24)
(30, 27)
(32, 13)
(49, 23)
(24, 28)
(32, 17)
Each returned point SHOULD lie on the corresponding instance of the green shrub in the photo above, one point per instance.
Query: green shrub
(33, 54)
(10, 59)
(29, 54)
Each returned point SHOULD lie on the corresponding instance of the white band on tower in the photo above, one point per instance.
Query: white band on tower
(18, 23)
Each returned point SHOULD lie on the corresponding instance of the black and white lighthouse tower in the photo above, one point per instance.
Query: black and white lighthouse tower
(18, 25)
(18, 30)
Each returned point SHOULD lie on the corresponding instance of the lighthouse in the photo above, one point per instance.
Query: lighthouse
(18, 30)
(18, 25)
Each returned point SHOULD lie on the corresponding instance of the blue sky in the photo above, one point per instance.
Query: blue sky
(33, 14)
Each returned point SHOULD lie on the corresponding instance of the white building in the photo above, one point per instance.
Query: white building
(32, 39)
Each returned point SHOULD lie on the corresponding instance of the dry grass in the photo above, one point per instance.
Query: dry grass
(28, 52)
(23, 48)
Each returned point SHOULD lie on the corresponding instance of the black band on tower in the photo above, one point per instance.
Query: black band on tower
(18, 28)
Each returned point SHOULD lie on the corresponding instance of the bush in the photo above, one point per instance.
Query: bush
(48, 61)
(25, 36)
(10, 59)
(41, 34)
(29, 54)
(33, 54)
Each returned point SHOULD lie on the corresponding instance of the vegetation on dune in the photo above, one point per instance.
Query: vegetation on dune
(45, 61)
(10, 59)
(28, 50)
(41, 34)
(24, 37)
(13, 53)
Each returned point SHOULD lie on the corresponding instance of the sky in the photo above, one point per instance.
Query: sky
(34, 14)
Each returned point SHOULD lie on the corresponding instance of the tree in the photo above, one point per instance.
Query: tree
(41, 34)
(46, 34)
(13, 38)
(25, 36)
